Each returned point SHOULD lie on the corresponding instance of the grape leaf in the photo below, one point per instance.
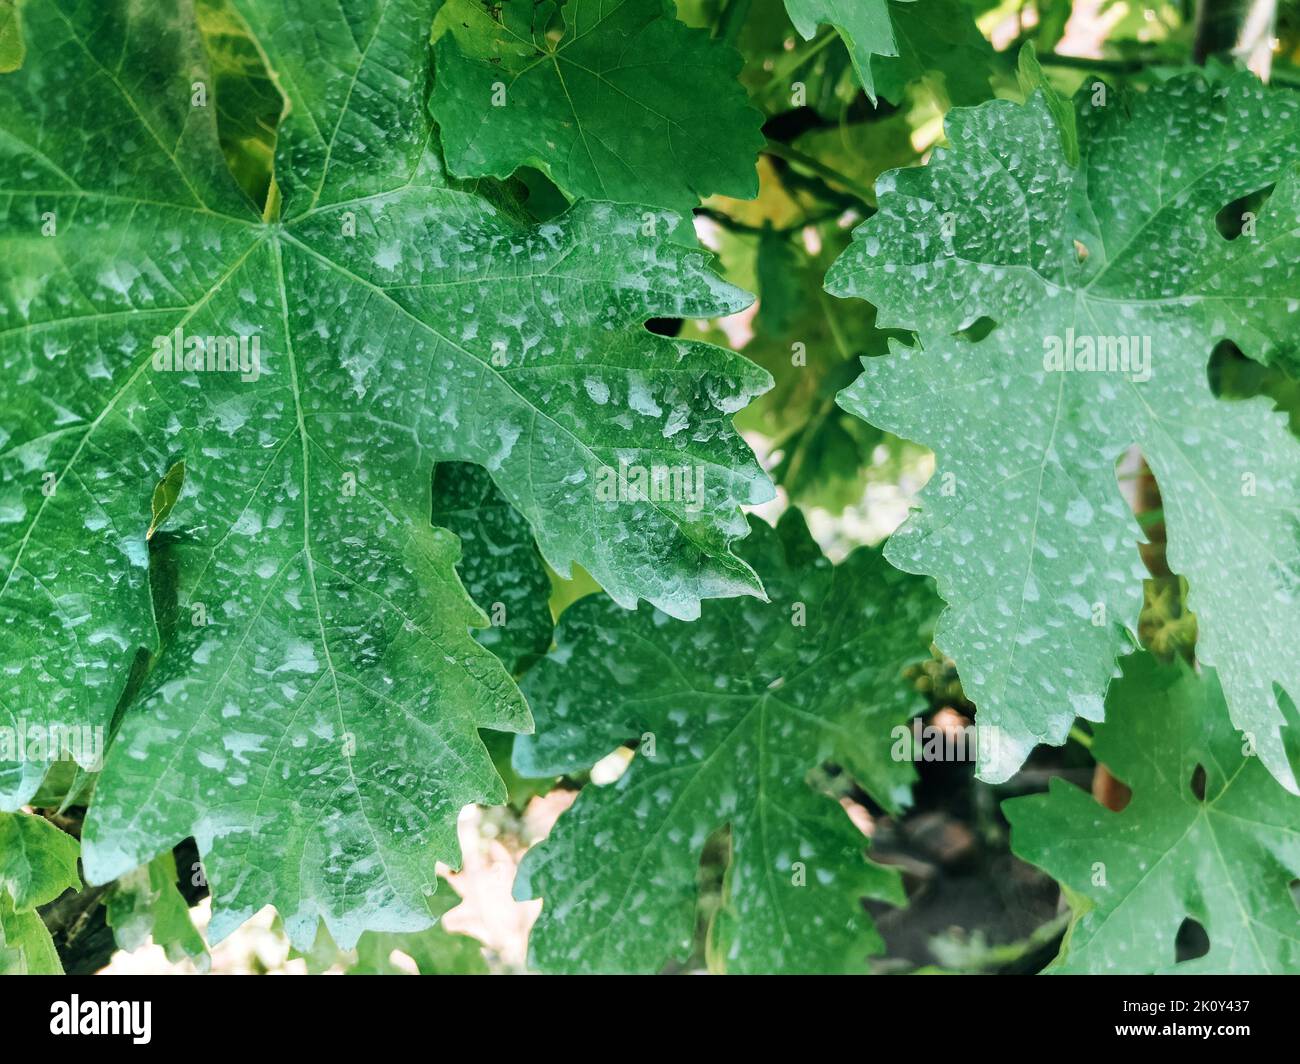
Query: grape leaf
(825, 453)
(147, 903)
(938, 43)
(249, 105)
(504, 574)
(313, 719)
(865, 26)
(434, 951)
(26, 947)
(730, 715)
(1030, 75)
(499, 564)
(1224, 856)
(12, 49)
(778, 271)
(896, 42)
(38, 862)
(623, 103)
(1024, 525)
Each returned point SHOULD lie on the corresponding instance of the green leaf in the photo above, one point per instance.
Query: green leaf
(1225, 856)
(519, 790)
(313, 718)
(504, 573)
(938, 43)
(894, 43)
(26, 946)
(1024, 526)
(863, 149)
(435, 951)
(621, 102)
(778, 266)
(147, 903)
(249, 105)
(38, 862)
(825, 452)
(499, 566)
(12, 49)
(729, 715)
(165, 495)
(822, 454)
(865, 26)
(1032, 79)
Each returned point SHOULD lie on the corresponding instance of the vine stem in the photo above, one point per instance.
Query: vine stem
(1080, 62)
(745, 229)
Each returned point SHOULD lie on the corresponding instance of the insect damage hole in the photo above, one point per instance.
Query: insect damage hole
(1238, 218)
(977, 330)
(1191, 942)
(670, 327)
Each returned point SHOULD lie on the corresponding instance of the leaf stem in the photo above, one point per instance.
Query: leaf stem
(271, 212)
(1081, 62)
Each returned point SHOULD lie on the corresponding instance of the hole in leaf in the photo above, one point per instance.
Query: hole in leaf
(665, 326)
(1234, 376)
(1138, 485)
(248, 106)
(1198, 783)
(1114, 794)
(711, 885)
(542, 196)
(1291, 724)
(1191, 941)
(1226, 366)
(978, 329)
(1239, 216)
(403, 962)
(1295, 892)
